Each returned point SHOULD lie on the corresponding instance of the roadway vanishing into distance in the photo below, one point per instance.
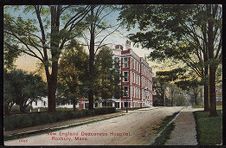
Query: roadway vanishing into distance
(137, 127)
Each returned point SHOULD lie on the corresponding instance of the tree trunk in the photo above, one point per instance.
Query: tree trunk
(55, 52)
(172, 95)
(22, 109)
(212, 66)
(212, 90)
(51, 95)
(74, 104)
(206, 96)
(91, 62)
(195, 97)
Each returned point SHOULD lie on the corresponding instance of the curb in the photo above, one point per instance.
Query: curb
(170, 122)
(39, 131)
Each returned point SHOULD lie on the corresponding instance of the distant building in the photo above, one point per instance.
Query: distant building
(136, 81)
(40, 103)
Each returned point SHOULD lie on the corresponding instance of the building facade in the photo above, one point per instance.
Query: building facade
(136, 81)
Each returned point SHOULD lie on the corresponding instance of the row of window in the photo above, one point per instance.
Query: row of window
(146, 82)
(136, 79)
(135, 65)
(125, 91)
(125, 62)
(135, 92)
(145, 71)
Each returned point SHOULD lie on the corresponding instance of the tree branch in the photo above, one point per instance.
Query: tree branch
(35, 46)
(100, 47)
(106, 37)
(219, 48)
(76, 16)
(29, 49)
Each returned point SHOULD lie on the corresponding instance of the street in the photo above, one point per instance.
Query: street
(134, 128)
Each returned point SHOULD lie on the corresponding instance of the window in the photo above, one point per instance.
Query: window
(125, 104)
(125, 62)
(133, 92)
(134, 62)
(117, 104)
(137, 79)
(44, 103)
(125, 91)
(133, 77)
(125, 76)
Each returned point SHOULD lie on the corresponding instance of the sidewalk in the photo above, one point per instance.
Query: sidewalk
(184, 132)
(60, 125)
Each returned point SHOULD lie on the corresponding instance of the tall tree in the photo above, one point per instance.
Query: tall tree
(42, 32)
(73, 70)
(159, 86)
(98, 31)
(107, 75)
(179, 32)
(214, 52)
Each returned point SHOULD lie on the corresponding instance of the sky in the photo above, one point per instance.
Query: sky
(29, 63)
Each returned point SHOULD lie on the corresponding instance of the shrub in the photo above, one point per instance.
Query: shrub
(17, 121)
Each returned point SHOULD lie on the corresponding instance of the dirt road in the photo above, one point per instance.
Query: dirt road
(134, 128)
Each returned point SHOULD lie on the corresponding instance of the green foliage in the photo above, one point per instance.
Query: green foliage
(107, 74)
(177, 32)
(188, 84)
(22, 88)
(73, 69)
(170, 75)
(18, 121)
(159, 87)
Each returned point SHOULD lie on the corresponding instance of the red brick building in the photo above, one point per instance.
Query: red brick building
(136, 81)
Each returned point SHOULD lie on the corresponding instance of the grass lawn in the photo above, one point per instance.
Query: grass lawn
(219, 106)
(197, 106)
(209, 129)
